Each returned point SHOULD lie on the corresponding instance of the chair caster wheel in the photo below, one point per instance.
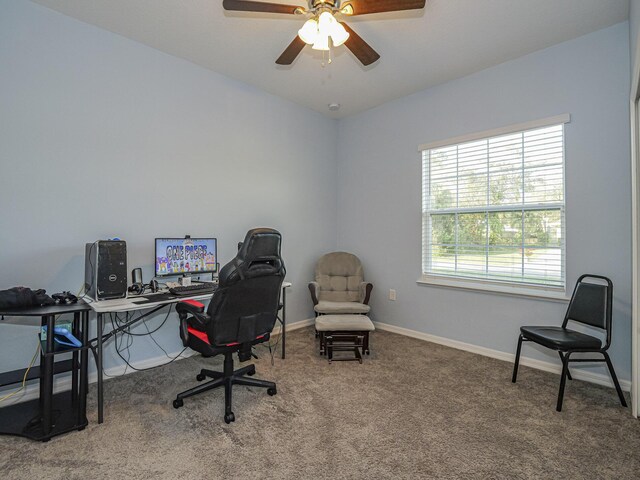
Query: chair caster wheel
(200, 377)
(251, 373)
(272, 391)
(229, 417)
(178, 402)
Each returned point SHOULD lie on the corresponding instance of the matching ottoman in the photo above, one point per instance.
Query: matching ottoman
(344, 333)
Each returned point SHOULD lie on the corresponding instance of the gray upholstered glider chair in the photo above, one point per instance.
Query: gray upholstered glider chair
(339, 286)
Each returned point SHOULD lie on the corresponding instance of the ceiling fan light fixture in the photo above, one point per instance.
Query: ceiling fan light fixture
(322, 42)
(339, 34)
(309, 32)
(325, 21)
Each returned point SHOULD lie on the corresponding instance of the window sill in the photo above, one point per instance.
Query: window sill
(555, 295)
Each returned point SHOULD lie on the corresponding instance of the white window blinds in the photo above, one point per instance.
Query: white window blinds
(493, 208)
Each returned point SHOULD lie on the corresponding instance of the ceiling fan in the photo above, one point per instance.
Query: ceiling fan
(322, 25)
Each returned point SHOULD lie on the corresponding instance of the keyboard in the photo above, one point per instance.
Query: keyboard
(194, 289)
(153, 298)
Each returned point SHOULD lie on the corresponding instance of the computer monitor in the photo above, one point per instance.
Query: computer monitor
(178, 256)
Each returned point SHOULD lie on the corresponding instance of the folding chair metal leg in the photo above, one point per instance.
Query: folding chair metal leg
(515, 365)
(568, 372)
(615, 379)
(563, 381)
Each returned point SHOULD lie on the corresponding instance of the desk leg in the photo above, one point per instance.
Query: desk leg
(46, 378)
(84, 377)
(99, 367)
(284, 320)
(75, 330)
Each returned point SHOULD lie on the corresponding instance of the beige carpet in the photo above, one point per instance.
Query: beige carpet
(412, 410)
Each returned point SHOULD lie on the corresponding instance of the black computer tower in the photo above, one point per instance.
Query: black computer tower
(105, 269)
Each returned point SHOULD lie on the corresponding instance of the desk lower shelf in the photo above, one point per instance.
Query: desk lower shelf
(22, 419)
(16, 376)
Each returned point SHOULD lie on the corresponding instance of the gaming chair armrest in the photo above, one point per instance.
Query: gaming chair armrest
(314, 289)
(198, 320)
(365, 292)
(184, 307)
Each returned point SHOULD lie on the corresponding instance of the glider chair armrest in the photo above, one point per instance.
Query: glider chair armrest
(314, 289)
(365, 292)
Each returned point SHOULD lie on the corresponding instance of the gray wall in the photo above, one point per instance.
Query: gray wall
(634, 27)
(100, 136)
(380, 187)
(103, 137)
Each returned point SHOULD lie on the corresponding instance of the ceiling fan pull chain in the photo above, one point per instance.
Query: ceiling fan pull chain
(329, 58)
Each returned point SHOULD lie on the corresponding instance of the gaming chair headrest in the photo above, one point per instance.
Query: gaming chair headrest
(258, 255)
(260, 243)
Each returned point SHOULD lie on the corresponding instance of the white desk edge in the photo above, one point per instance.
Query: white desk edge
(106, 306)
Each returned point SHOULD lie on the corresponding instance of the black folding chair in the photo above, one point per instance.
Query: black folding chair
(591, 304)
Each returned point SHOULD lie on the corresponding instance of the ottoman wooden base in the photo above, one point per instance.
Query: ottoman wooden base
(344, 333)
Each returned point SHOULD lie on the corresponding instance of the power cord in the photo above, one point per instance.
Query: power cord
(149, 332)
(122, 347)
(273, 347)
(24, 379)
(156, 329)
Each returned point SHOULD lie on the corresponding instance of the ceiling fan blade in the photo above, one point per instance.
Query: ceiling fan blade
(361, 49)
(291, 52)
(250, 6)
(362, 7)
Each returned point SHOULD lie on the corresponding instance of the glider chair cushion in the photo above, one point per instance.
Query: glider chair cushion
(339, 286)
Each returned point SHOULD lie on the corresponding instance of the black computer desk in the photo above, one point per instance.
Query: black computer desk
(37, 419)
(136, 303)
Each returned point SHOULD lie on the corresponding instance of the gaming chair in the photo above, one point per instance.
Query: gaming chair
(242, 313)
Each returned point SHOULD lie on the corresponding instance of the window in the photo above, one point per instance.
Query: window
(493, 207)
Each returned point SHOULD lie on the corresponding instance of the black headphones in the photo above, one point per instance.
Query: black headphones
(136, 288)
(64, 298)
(139, 288)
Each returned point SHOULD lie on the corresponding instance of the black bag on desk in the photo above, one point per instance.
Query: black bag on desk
(18, 297)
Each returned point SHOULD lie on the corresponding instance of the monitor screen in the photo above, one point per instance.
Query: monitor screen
(176, 256)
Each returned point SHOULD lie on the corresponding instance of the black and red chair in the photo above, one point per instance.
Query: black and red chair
(242, 313)
(591, 304)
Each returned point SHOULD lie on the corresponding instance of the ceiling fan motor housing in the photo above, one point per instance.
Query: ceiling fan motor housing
(326, 3)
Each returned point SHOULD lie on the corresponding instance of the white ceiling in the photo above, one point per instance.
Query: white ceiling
(419, 49)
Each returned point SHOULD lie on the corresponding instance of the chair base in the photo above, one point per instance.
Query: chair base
(344, 333)
(565, 358)
(226, 379)
(348, 341)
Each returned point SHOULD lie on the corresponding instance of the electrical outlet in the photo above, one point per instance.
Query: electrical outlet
(392, 294)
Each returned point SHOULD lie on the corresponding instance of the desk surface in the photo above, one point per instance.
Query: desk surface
(46, 310)
(141, 302)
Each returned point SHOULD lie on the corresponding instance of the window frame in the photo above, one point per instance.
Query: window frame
(557, 293)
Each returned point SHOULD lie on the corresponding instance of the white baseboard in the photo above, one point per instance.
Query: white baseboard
(294, 326)
(62, 384)
(576, 373)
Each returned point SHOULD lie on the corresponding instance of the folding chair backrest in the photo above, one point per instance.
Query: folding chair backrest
(589, 304)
